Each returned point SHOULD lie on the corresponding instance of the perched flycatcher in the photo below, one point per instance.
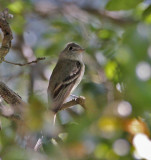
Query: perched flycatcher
(66, 75)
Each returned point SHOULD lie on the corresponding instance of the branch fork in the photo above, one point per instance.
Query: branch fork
(6, 42)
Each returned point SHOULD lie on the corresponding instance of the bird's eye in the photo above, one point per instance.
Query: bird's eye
(70, 48)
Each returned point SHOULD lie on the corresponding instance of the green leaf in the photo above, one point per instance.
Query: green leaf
(16, 7)
(19, 24)
(105, 34)
(147, 14)
(111, 70)
(114, 5)
(147, 11)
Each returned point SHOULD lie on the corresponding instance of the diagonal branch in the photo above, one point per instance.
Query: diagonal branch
(9, 95)
(11, 98)
(4, 25)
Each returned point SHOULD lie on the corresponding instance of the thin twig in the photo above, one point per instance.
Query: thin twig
(20, 64)
(38, 144)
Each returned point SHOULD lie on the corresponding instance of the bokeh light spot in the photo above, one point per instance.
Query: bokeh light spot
(124, 108)
(143, 71)
(135, 126)
(118, 87)
(108, 126)
(142, 145)
(121, 147)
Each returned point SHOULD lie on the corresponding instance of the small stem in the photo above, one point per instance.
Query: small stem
(38, 144)
(20, 64)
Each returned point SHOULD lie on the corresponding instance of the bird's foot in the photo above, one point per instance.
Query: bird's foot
(74, 96)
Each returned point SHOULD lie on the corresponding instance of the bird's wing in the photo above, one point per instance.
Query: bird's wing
(61, 85)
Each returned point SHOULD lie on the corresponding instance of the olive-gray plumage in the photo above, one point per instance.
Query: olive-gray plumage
(66, 75)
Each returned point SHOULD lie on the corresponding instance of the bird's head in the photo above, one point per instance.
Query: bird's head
(72, 51)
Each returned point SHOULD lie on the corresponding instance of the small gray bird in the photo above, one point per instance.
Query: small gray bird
(66, 75)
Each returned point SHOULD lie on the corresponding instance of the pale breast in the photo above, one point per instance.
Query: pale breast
(80, 77)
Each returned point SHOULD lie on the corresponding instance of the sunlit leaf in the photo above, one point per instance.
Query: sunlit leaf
(16, 6)
(147, 12)
(122, 4)
(105, 34)
(111, 70)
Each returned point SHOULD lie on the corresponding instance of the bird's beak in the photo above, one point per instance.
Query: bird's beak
(81, 50)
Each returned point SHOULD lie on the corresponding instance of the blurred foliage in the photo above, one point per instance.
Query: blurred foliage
(122, 4)
(117, 82)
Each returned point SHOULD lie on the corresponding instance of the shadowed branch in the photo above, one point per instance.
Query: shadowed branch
(9, 95)
(4, 25)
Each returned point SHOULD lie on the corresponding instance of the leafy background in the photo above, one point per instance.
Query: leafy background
(117, 82)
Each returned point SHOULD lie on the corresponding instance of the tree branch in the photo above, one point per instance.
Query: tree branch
(10, 96)
(79, 100)
(4, 25)
(112, 16)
